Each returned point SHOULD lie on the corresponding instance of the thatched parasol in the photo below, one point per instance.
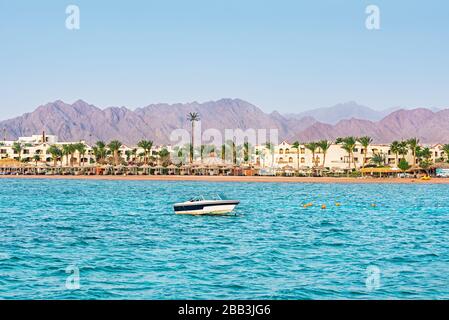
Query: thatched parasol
(10, 163)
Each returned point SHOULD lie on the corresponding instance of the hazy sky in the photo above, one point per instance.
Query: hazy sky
(280, 55)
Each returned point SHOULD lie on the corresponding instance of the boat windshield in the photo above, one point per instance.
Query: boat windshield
(196, 199)
(203, 198)
(218, 196)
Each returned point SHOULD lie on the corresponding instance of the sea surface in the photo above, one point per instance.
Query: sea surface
(67, 239)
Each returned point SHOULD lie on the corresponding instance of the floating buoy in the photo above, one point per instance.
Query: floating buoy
(337, 204)
(323, 206)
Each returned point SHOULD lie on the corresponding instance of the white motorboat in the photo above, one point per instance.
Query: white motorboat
(201, 206)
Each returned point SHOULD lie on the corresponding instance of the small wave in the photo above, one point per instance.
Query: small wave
(4, 256)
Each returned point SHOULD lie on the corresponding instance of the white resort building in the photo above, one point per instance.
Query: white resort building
(336, 158)
(35, 149)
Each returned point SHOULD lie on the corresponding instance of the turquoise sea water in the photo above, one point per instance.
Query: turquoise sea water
(128, 243)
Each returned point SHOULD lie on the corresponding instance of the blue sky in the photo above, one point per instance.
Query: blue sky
(280, 55)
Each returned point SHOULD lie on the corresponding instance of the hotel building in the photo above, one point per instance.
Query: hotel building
(337, 159)
(35, 149)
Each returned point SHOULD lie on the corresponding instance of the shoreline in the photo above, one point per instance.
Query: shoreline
(264, 179)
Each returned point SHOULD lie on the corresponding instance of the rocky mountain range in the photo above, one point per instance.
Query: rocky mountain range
(83, 121)
(348, 110)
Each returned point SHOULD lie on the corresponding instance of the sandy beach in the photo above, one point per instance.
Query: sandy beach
(265, 179)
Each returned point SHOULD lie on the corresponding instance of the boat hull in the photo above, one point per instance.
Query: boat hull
(206, 207)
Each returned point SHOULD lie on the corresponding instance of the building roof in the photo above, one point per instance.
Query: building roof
(379, 170)
(440, 165)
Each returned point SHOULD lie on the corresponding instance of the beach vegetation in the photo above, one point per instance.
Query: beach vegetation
(115, 146)
(66, 152)
(231, 149)
(146, 145)
(72, 150)
(446, 151)
(413, 144)
(365, 142)
(403, 148)
(297, 145)
(55, 153)
(247, 151)
(100, 151)
(164, 157)
(378, 159)
(403, 165)
(81, 148)
(312, 147)
(425, 165)
(17, 147)
(36, 159)
(348, 144)
(324, 145)
(192, 117)
(395, 149)
(128, 154)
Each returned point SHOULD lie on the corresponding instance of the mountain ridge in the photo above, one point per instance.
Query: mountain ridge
(83, 121)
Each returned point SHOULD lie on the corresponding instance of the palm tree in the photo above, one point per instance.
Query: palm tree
(181, 153)
(403, 149)
(128, 154)
(348, 144)
(72, 150)
(246, 151)
(324, 145)
(114, 146)
(297, 145)
(81, 148)
(36, 158)
(223, 152)
(365, 142)
(395, 148)
(141, 156)
(192, 117)
(423, 154)
(233, 147)
(378, 159)
(66, 151)
(202, 150)
(312, 146)
(413, 144)
(403, 165)
(100, 150)
(17, 147)
(425, 158)
(55, 153)
(146, 145)
(446, 151)
(164, 156)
